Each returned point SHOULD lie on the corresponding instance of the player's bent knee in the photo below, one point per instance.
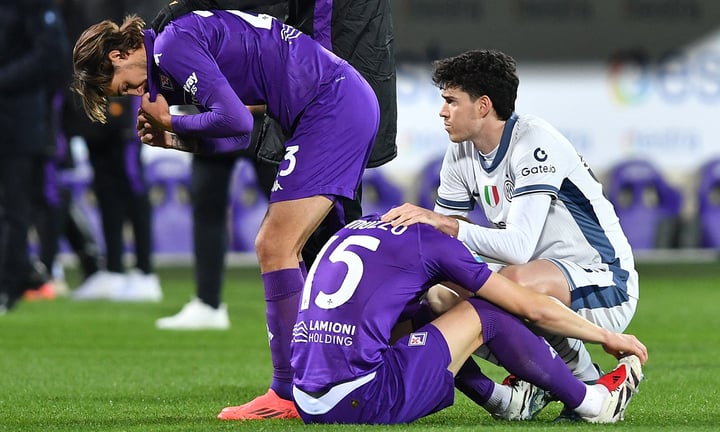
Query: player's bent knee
(441, 298)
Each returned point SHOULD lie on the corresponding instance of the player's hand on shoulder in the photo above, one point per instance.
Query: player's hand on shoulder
(408, 214)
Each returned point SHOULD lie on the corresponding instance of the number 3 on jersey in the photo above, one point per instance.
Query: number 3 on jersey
(355, 268)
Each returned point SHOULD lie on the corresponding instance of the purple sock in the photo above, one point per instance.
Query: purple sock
(473, 383)
(282, 296)
(527, 355)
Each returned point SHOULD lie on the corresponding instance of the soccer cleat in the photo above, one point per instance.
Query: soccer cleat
(622, 382)
(527, 400)
(139, 287)
(46, 291)
(196, 315)
(100, 285)
(635, 375)
(266, 407)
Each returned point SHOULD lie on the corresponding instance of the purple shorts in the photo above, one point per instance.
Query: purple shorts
(412, 382)
(331, 144)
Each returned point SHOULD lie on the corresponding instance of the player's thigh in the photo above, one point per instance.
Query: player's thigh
(541, 276)
(604, 295)
(288, 224)
(412, 382)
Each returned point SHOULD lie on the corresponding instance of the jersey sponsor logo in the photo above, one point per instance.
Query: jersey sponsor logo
(300, 332)
(166, 82)
(491, 195)
(324, 332)
(191, 84)
(540, 155)
(539, 169)
(156, 57)
(417, 339)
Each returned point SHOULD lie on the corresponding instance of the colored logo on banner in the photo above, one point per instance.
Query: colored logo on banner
(492, 196)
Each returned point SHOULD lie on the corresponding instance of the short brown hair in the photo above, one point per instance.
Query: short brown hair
(93, 70)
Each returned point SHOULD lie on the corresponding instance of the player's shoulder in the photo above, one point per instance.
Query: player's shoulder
(532, 132)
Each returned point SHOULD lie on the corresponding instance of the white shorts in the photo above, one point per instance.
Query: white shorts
(602, 294)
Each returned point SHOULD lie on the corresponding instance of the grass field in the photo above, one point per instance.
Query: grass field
(101, 366)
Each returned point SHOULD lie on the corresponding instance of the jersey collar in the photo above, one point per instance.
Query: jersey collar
(504, 143)
(152, 81)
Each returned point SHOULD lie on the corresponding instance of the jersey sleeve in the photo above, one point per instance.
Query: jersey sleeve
(447, 259)
(516, 243)
(454, 197)
(186, 58)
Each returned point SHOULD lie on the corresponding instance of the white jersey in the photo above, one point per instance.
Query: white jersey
(535, 161)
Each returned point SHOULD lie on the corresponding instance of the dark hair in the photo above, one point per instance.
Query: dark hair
(93, 70)
(481, 72)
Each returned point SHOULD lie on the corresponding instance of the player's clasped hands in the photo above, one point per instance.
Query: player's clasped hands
(149, 129)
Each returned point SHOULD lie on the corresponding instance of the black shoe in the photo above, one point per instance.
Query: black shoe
(8, 301)
(567, 415)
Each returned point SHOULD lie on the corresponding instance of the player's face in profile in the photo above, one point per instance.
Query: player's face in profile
(130, 76)
(460, 115)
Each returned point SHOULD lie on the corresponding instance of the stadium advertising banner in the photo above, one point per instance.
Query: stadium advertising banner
(661, 109)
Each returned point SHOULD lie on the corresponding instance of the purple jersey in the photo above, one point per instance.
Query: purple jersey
(362, 282)
(222, 61)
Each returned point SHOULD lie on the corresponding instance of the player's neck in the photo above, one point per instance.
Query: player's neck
(488, 138)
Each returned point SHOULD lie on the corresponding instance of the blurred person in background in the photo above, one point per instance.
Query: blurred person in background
(119, 184)
(553, 229)
(57, 216)
(34, 54)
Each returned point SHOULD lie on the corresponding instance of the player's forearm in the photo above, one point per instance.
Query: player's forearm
(186, 144)
(504, 245)
(516, 243)
(554, 317)
(221, 121)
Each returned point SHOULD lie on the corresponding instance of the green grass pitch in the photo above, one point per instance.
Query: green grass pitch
(102, 366)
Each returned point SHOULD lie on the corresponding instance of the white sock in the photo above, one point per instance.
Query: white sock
(499, 400)
(593, 402)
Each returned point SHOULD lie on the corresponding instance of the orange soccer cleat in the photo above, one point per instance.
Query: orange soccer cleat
(45, 291)
(265, 407)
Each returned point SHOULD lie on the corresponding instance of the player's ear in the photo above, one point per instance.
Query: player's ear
(484, 105)
(116, 55)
